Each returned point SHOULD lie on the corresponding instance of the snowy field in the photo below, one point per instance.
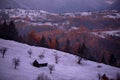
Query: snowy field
(104, 34)
(66, 69)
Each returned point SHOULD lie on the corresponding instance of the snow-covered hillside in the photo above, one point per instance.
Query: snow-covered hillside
(34, 15)
(60, 20)
(22, 13)
(66, 69)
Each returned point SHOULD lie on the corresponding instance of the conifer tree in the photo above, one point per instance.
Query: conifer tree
(4, 30)
(67, 46)
(13, 33)
(103, 59)
(8, 31)
(112, 60)
(57, 44)
(43, 42)
(81, 50)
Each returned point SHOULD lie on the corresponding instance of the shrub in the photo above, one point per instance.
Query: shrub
(51, 68)
(43, 76)
(99, 76)
(30, 53)
(79, 60)
(41, 56)
(3, 51)
(56, 58)
(16, 62)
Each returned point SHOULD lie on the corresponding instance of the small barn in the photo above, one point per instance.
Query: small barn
(36, 63)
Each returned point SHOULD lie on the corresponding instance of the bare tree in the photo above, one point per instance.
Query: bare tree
(3, 51)
(82, 52)
(16, 62)
(79, 60)
(41, 56)
(51, 68)
(30, 53)
(56, 58)
(99, 76)
(43, 76)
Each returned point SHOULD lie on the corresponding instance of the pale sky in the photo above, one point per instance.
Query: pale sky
(65, 5)
(62, 5)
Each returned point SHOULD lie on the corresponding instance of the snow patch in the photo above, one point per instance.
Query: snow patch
(104, 34)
